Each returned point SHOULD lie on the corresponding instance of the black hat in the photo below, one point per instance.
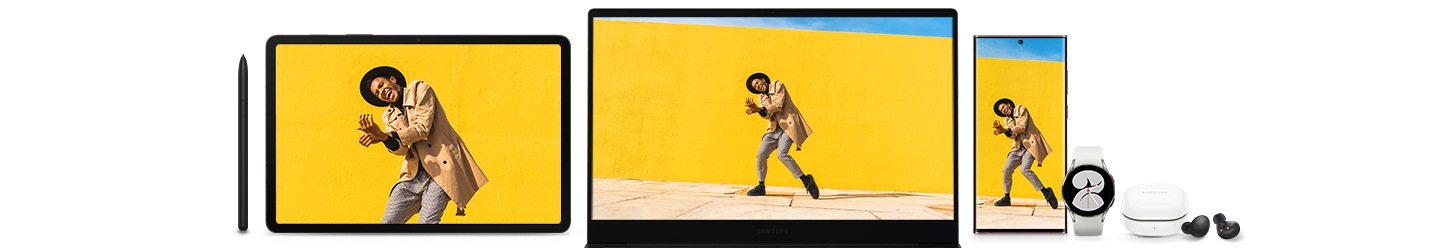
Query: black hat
(1003, 101)
(752, 78)
(381, 71)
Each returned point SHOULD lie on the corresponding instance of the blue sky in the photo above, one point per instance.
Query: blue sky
(917, 26)
(1046, 49)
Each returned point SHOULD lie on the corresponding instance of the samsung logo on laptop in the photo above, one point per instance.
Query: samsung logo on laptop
(1154, 192)
(772, 231)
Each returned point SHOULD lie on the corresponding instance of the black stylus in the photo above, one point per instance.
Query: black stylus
(244, 169)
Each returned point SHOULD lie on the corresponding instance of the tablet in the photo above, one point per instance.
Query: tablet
(370, 133)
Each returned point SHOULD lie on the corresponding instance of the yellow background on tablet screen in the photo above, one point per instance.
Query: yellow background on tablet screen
(504, 100)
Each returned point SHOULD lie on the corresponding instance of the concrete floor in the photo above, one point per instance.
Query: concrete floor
(1023, 213)
(644, 199)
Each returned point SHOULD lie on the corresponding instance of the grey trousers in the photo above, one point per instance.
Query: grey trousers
(768, 143)
(1022, 159)
(420, 195)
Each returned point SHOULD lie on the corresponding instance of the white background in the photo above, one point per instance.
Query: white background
(1309, 123)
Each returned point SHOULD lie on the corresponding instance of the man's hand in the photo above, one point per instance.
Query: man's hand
(997, 131)
(369, 139)
(369, 127)
(751, 104)
(995, 124)
(750, 107)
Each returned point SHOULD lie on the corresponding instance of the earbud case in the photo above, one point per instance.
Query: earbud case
(1154, 209)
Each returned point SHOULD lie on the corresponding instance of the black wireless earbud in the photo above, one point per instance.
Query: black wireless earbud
(1198, 227)
(1226, 229)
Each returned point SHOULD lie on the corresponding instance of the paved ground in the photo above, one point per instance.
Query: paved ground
(1024, 213)
(643, 199)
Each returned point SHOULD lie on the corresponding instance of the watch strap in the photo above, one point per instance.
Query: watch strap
(1089, 226)
(1088, 155)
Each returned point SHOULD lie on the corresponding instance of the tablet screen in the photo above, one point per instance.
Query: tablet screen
(457, 133)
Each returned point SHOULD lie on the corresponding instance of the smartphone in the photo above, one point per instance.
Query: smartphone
(1020, 84)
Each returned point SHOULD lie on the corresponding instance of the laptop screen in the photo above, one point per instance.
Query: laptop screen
(773, 118)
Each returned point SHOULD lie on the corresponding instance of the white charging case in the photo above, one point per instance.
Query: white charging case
(1154, 209)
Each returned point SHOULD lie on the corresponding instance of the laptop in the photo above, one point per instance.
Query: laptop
(789, 127)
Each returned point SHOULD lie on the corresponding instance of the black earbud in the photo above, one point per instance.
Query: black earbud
(1198, 227)
(1226, 229)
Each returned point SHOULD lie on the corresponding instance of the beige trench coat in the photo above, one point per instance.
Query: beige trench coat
(783, 113)
(427, 140)
(1025, 133)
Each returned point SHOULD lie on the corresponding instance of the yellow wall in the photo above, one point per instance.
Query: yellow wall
(669, 105)
(1040, 86)
(504, 100)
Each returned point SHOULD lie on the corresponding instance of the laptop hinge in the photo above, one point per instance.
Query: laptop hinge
(769, 245)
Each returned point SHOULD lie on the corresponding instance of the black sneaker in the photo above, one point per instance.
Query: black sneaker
(810, 186)
(1003, 202)
(757, 191)
(1050, 198)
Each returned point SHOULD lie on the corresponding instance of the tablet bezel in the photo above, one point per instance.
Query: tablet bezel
(564, 44)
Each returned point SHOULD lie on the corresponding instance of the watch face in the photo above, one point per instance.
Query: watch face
(1088, 190)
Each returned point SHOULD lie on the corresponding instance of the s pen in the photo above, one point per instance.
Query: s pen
(244, 169)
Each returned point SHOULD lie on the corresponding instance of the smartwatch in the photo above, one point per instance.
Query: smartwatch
(1089, 190)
